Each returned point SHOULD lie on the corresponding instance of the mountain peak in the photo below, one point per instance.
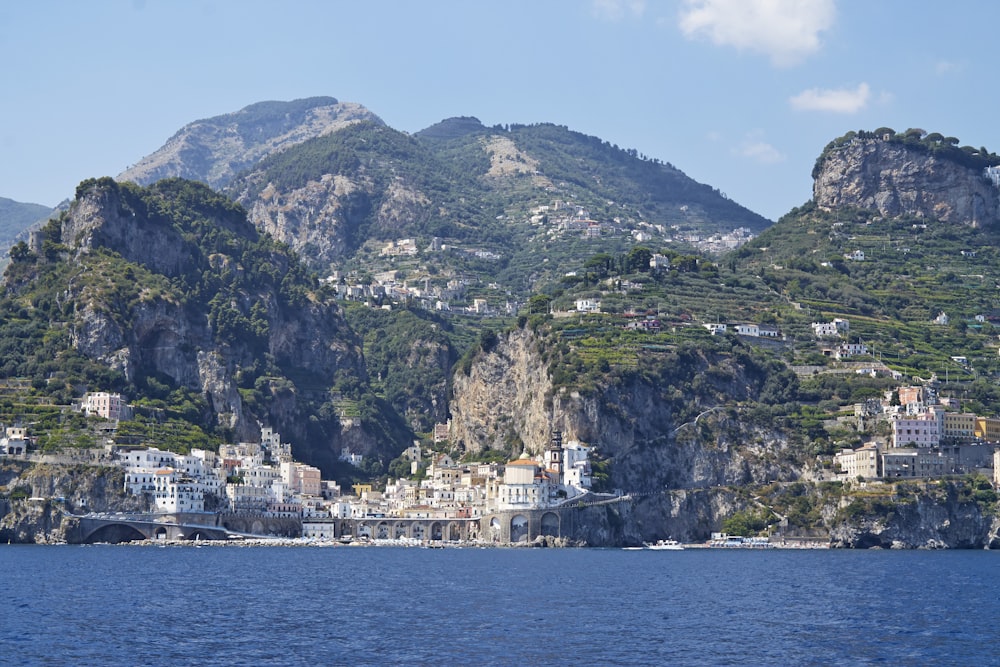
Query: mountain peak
(214, 150)
(452, 128)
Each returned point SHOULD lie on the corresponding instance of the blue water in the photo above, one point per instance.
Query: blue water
(129, 605)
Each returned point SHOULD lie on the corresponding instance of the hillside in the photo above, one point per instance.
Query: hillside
(514, 207)
(170, 296)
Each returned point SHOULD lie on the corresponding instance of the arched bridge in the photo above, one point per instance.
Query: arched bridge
(129, 528)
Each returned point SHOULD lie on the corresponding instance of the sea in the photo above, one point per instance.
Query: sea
(227, 605)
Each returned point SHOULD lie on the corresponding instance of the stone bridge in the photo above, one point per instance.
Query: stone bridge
(514, 526)
(455, 529)
(115, 528)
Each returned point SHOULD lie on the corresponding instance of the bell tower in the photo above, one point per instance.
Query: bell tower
(554, 456)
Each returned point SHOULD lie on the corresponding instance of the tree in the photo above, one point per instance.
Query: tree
(539, 303)
(638, 260)
(20, 252)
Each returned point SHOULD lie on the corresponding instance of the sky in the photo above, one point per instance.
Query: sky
(739, 94)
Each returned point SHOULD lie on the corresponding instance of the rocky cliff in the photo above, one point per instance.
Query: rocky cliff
(43, 497)
(897, 178)
(652, 435)
(172, 282)
(929, 520)
(214, 150)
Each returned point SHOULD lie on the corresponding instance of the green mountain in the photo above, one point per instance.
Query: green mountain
(512, 206)
(170, 296)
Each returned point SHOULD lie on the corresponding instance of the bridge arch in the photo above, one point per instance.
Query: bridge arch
(115, 533)
(382, 531)
(436, 531)
(550, 524)
(454, 532)
(198, 534)
(417, 531)
(495, 529)
(518, 528)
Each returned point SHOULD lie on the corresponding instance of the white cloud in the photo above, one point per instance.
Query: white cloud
(841, 100)
(616, 10)
(755, 148)
(948, 67)
(785, 30)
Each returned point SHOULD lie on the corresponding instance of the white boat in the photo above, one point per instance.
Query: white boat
(666, 545)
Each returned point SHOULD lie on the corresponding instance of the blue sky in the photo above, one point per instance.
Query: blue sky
(739, 94)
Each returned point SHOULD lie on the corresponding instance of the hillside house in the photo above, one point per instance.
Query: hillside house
(847, 350)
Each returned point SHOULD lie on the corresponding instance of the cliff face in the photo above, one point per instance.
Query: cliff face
(321, 218)
(506, 401)
(214, 150)
(926, 523)
(82, 488)
(165, 331)
(895, 179)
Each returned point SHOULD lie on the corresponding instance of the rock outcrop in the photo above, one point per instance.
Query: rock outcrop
(45, 496)
(925, 523)
(507, 402)
(895, 179)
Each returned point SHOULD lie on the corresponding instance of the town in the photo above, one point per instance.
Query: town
(260, 485)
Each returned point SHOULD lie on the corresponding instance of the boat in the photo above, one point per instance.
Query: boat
(666, 545)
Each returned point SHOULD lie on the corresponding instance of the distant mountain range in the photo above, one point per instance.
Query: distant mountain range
(17, 217)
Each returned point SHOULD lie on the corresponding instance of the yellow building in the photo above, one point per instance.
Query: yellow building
(988, 428)
(959, 427)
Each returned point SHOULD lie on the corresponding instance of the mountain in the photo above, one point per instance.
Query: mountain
(17, 217)
(527, 199)
(213, 150)
(169, 295)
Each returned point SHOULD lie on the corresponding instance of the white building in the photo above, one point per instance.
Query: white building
(588, 305)
(863, 462)
(846, 350)
(524, 485)
(576, 466)
(14, 442)
(832, 329)
(174, 492)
